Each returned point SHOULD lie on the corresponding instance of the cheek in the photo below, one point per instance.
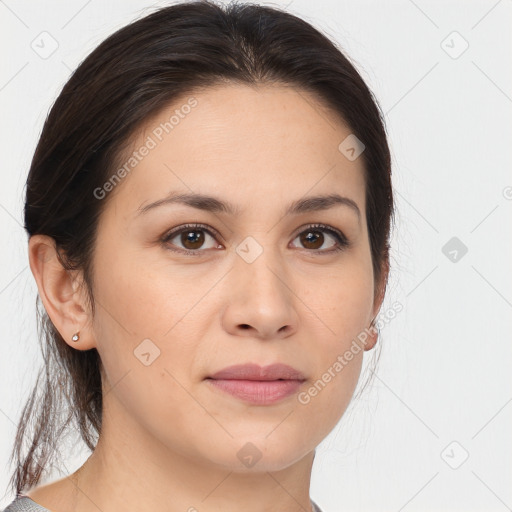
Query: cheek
(151, 398)
(342, 306)
(146, 374)
(141, 309)
(342, 302)
(322, 403)
(145, 298)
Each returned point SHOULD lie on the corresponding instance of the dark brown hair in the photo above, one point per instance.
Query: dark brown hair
(129, 77)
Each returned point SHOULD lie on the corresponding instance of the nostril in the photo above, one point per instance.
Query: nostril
(245, 326)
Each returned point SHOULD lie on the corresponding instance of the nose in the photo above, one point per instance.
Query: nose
(260, 303)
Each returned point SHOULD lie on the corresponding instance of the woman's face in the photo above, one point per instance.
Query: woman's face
(257, 286)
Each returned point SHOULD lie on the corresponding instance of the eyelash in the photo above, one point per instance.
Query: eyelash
(343, 242)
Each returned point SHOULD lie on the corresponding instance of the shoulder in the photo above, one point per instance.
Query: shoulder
(24, 504)
(316, 508)
(44, 498)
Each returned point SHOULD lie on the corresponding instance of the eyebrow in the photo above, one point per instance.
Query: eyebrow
(214, 205)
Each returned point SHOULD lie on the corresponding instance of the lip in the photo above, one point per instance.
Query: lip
(256, 384)
(252, 371)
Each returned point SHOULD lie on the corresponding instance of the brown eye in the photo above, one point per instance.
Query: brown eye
(190, 240)
(312, 239)
(316, 236)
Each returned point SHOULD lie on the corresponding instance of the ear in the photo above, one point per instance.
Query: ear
(373, 333)
(59, 290)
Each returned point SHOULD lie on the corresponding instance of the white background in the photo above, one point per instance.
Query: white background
(444, 372)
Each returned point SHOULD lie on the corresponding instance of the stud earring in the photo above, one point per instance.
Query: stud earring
(76, 337)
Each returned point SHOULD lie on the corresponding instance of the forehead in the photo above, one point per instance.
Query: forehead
(248, 143)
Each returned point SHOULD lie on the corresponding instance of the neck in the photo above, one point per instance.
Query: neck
(130, 470)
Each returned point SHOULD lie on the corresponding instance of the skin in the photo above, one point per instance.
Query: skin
(169, 440)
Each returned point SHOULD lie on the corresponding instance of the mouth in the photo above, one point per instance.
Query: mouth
(258, 385)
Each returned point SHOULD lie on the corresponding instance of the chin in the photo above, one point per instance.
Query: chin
(255, 454)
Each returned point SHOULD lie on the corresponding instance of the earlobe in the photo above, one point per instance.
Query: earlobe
(58, 291)
(373, 335)
(373, 329)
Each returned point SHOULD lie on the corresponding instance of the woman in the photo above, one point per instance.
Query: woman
(208, 210)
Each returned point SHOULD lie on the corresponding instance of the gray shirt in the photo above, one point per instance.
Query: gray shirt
(25, 504)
